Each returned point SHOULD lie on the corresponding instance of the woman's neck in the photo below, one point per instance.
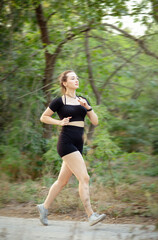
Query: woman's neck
(71, 93)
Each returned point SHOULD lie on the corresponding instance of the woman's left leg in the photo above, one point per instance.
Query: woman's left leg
(77, 166)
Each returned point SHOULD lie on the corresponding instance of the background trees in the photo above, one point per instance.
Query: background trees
(118, 74)
(117, 71)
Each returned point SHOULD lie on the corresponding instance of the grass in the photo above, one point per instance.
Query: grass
(135, 193)
(139, 198)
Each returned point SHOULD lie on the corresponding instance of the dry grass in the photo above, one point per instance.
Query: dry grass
(137, 201)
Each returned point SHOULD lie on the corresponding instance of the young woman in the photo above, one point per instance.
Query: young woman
(71, 110)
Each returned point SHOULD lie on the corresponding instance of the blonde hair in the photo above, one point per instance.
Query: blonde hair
(63, 78)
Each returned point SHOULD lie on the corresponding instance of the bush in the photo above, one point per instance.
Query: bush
(19, 166)
(13, 163)
(52, 160)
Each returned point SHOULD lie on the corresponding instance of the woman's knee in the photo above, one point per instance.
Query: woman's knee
(85, 179)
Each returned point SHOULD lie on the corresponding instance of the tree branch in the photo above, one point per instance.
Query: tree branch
(118, 69)
(155, 9)
(90, 71)
(42, 23)
(53, 13)
(70, 36)
(116, 52)
(123, 86)
(140, 42)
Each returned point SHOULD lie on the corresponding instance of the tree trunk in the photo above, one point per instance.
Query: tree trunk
(92, 83)
(48, 75)
(90, 71)
(47, 82)
(50, 59)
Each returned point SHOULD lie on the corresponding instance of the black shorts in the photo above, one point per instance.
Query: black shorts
(70, 140)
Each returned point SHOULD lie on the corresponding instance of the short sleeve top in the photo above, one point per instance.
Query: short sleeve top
(76, 112)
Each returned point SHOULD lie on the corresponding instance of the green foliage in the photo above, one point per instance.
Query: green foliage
(103, 150)
(102, 139)
(123, 151)
(126, 168)
(52, 163)
(18, 165)
(13, 163)
(130, 131)
(21, 193)
(128, 111)
(140, 163)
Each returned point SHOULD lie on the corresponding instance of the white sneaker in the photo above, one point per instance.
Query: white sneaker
(95, 218)
(43, 214)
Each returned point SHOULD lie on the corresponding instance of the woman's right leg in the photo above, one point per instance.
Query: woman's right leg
(63, 178)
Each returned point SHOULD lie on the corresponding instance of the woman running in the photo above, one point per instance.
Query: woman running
(71, 110)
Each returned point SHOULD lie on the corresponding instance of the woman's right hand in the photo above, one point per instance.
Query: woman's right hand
(65, 121)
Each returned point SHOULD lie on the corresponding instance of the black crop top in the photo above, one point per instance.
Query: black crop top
(77, 112)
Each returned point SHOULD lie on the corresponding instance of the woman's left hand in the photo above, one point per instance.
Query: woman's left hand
(83, 102)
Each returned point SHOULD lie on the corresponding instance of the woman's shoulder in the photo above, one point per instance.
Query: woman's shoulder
(57, 99)
(55, 103)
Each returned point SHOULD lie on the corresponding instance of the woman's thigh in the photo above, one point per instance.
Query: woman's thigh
(65, 173)
(76, 164)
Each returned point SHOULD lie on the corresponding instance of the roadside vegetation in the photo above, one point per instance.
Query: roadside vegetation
(118, 75)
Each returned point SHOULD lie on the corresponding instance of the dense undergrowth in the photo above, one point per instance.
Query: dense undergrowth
(126, 187)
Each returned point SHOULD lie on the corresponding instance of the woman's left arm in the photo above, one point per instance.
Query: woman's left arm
(93, 117)
(90, 113)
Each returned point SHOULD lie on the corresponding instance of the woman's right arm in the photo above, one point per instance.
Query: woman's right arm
(46, 118)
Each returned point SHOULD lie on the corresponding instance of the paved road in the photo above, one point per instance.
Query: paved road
(31, 229)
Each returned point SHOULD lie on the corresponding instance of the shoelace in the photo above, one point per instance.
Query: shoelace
(96, 214)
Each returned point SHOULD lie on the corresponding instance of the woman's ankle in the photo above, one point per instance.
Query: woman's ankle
(45, 206)
(89, 214)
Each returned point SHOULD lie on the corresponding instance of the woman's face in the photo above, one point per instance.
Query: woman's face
(72, 81)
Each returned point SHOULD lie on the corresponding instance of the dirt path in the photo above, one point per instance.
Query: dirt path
(31, 229)
(29, 210)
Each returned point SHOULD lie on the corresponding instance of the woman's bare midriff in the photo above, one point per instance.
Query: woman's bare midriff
(76, 123)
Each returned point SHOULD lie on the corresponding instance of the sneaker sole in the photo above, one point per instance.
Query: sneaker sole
(98, 220)
(40, 216)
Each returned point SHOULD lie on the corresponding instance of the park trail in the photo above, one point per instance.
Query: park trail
(31, 229)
